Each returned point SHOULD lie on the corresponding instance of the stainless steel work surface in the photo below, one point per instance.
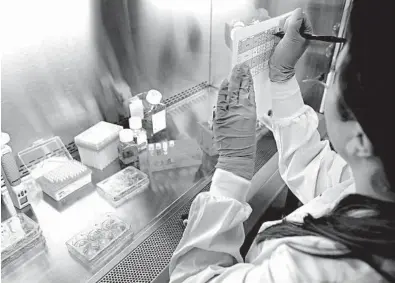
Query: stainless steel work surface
(60, 221)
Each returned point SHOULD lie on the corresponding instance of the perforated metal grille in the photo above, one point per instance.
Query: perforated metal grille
(147, 260)
(184, 94)
(188, 97)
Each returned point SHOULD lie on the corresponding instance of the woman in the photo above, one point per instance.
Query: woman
(345, 232)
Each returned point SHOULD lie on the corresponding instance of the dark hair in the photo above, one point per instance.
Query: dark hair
(367, 237)
(367, 77)
(368, 90)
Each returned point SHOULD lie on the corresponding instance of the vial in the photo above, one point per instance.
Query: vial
(158, 148)
(139, 134)
(164, 147)
(151, 149)
(128, 151)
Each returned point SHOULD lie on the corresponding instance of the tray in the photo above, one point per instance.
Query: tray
(123, 185)
(18, 235)
(100, 240)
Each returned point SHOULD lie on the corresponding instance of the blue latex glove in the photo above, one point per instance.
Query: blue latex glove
(290, 48)
(235, 123)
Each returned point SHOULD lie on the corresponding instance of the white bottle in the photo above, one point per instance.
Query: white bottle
(136, 107)
(155, 116)
(140, 135)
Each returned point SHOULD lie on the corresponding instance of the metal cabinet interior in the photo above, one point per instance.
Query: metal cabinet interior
(67, 64)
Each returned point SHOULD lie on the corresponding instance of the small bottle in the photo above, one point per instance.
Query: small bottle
(155, 116)
(139, 134)
(165, 147)
(128, 151)
(170, 151)
(136, 107)
(158, 148)
(151, 153)
(151, 149)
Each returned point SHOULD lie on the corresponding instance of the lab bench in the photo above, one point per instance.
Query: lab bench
(154, 216)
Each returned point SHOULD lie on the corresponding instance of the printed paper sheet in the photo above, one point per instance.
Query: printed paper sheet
(254, 45)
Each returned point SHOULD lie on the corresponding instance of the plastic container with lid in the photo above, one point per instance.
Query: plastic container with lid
(54, 169)
(128, 151)
(19, 234)
(100, 241)
(140, 135)
(98, 145)
(123, 185)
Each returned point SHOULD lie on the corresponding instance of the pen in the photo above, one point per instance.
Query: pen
(326, 38)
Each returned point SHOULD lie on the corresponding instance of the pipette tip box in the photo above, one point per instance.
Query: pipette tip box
(54, 169)
(97, 146)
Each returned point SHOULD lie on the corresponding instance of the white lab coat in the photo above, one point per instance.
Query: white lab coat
(209, 249)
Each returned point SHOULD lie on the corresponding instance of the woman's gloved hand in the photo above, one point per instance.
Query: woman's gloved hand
(235, 123)
(290, 48)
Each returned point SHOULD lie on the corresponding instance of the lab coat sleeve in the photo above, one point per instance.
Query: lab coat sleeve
(214, 233)
(307, 164)
(209, 250)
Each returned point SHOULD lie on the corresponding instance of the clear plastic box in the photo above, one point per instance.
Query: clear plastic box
(100, 241)
(19, 234)
(54, 169)
(123, 185)
(174, 154)
(97, 146)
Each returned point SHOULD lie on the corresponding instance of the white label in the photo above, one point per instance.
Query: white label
(136, 108)
(159, 121)
(142, 140)
(73, 187)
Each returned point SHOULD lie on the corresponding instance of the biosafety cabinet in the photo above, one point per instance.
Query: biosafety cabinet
(68, 65)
